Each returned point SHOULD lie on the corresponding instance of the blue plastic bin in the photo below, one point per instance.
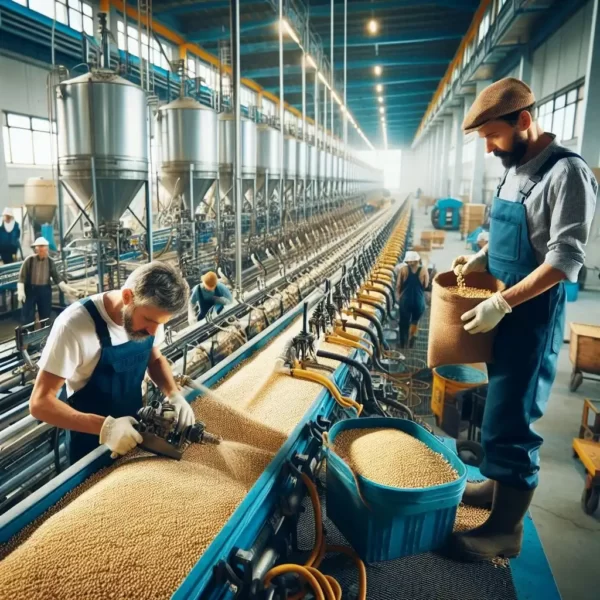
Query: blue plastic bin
(398, 522)
(572, 290)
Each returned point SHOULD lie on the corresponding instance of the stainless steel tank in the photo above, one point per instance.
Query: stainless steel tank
(188, 135)
(102, 116)
(227, 144)
(313, 162)
(268, 150)
(302, 160)
(329, 166)
(290, 164)
(40, 200)
(322, 165)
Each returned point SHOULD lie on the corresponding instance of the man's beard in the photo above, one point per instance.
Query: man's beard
(136, 336)
(512, 158)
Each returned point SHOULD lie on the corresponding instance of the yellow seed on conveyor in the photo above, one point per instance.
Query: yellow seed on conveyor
(393, 458)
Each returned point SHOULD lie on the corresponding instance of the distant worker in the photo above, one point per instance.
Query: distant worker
(208, 294)
(101, 347)
(539, 225)
(34, 287)
(410, 289)
(10, 237)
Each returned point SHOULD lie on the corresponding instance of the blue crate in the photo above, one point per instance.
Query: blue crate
(397, 522)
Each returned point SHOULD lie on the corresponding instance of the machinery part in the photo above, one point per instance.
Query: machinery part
(470, 452)
(158, 426)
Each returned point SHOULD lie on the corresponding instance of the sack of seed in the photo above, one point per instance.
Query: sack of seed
(449, 343)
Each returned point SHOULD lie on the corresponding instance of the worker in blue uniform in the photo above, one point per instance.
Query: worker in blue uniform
(210, 293)
(100, 349)
(539, 225)
(10, 237)
(412, 281)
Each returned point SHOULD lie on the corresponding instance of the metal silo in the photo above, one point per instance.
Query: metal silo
(268, 161)
(102, 141)
(188, 134)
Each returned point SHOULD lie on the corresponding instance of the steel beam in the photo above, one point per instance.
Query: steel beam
(413, 37)
(322, 10)
(215, 34)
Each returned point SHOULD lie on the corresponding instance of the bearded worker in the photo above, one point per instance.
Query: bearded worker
(101, 348)
(539, 225)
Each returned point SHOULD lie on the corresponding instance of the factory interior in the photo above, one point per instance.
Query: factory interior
(299, 299)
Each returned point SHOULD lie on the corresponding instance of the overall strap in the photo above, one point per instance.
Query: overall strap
(502, 183)
(100, 324)
(526, 190)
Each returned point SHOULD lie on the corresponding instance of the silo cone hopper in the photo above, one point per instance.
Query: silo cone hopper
(177, 183)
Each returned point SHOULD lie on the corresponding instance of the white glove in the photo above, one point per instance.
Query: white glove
(192, 313)
(476, 263)
(485, 316)
(70, 291)
(185, 414)
(119, 435)
(21, 292)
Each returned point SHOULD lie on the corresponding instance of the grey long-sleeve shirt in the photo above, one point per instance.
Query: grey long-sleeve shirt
(559, 210)
(39, 271)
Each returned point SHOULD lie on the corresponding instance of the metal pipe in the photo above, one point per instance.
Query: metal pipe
(148, 196)
(237, 157)
(192, 211)
(281, 120)
(345, 164)
(331, 67)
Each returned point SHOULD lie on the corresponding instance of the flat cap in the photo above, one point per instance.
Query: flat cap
(498, 99)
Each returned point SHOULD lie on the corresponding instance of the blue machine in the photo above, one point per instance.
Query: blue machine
(446, 214)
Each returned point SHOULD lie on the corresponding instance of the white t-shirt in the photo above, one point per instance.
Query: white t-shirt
(73, 348)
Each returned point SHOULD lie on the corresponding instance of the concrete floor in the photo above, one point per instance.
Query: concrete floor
(570, 538)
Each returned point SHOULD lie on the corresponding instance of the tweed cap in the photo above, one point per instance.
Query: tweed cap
(498, 99)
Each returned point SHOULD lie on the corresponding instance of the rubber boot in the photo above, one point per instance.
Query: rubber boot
(412, 335)
(479, 494)
(502, 534)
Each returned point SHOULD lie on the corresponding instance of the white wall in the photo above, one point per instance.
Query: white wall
(23, 90)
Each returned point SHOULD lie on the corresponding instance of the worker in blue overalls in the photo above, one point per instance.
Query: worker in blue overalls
(100, 349)
(10, 237)
(411, 283)
(208, 294)
(539, 226)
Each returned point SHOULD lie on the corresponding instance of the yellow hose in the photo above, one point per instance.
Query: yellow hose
(341, 341)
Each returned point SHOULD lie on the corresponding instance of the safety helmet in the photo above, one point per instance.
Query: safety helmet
(41, 241)
(412, 256)
(8, 212)
(484, 236)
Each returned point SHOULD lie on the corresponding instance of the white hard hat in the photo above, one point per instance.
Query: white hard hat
(412, 256)
(484, 236)
(8, 212)
(41, 241)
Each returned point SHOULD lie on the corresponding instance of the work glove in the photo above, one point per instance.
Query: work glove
(476, 263)
(120, 435)
(70, 291)
(486, 315)
(185, 414)
(21, 292)
(192, 313)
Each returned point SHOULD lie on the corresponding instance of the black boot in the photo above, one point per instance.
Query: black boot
(502, 533)
(479, 494)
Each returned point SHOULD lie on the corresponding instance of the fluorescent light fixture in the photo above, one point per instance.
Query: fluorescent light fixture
(310, 61)
(380, 99)
(288, 29)
(322, 78)
(381, 109)
(379, 88)
(383, 119)
(373, 26)
(336, 97)
(378, 70)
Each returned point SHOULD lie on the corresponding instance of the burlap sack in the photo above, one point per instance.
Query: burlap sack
(449, 343)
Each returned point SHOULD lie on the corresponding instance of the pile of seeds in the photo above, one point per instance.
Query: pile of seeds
(462, 290)
(393, 458)
(470, 517)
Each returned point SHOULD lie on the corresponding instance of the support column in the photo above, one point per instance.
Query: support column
(589, 136)
(526, 66)
(478, 160)
(4, 201)
(443, 186)
(457, 119)
(431, 161)
(436, 163)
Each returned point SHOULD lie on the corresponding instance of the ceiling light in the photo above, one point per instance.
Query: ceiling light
(378, 70)
(380, 99)
(288, 29)
(373, 26)
(379, 88)
(310, 61)
(381, 109)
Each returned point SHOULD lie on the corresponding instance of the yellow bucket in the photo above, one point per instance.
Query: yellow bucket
(448, 380)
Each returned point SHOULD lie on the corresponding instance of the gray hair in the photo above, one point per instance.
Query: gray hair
(160, 285)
